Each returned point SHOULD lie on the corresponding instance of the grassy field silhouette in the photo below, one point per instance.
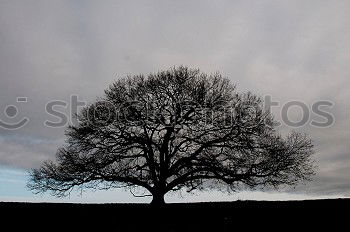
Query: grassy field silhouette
(204, 216)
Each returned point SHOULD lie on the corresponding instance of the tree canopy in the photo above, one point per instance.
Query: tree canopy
(172, 130)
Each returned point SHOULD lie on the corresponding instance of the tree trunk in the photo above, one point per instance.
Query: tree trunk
(158, 199)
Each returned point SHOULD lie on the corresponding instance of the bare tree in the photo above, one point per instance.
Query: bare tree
(173, 130)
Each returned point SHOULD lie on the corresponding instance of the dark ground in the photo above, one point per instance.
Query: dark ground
(218, 216)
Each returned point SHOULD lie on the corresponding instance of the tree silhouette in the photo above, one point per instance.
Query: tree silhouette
(176, 129)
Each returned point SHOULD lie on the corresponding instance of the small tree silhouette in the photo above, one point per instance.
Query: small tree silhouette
(177, 129)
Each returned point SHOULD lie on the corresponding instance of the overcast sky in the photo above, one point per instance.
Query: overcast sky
(291, 50)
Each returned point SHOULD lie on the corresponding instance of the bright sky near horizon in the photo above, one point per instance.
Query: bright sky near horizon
(290, 50)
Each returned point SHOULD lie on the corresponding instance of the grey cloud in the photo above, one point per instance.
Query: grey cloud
(292, 50)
